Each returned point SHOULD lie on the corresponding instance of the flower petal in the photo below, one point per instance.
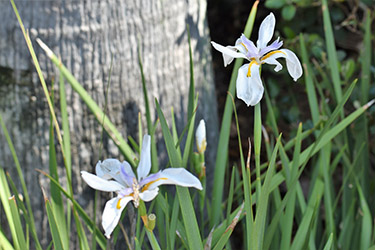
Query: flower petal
(292, 62)
(111, 169)
(112, 213)
(145, 162)
(274, 46)
(266, 31)
(127, 174)
(228, 53)
(239, 46)
(252, 51)
(108, 168)
(249, 88)
(101, 184)
(176, 176)
(149, 195)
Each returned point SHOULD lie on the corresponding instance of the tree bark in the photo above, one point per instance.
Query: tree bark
(87, 35)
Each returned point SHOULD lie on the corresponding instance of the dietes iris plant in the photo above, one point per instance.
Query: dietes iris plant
(249, 86)
(114, 176)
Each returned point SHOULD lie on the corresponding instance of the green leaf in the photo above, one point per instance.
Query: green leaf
(222, 148)
(288, 12)
(54, 228)
(4, 243)
(313, 208)
(331, 49)
(274, 4)
(187, 209)
(262, 206)
(328, 245)
(91, 104)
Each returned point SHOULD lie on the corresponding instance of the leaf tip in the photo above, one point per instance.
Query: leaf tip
(44, 47)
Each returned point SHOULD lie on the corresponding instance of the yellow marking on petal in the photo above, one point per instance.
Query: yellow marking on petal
(244, 46)
(145, 187)
(118, 206)
(270, 54)
(249, 69)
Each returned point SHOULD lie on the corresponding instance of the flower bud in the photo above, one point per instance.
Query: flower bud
(151, 222)
(200, 137)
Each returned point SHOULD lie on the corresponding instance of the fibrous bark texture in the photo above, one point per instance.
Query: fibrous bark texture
(87, 35)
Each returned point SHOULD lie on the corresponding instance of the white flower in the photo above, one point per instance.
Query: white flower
(114, 176)
(200, 137)
(249, 85)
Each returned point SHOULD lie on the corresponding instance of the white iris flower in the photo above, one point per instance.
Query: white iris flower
(114, 176)
(249, 85)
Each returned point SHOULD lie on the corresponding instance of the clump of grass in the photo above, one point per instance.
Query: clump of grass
(266, 202)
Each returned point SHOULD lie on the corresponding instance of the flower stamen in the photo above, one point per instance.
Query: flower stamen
(135, 193)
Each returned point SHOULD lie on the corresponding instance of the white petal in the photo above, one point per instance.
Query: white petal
(111, 214)
(239, 46)
(101, 184)
(228, 53)
(145, 162)
(292, 62)
(273, 61)
(149, 195)
(176, 176)
(111, 168)
(266, 31)
(108, 168)
(249, 88)
(200, 137)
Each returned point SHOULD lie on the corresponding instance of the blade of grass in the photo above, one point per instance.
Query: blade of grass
(366, 229)
(259, 225)
(4, 196)
(333, 132)
(17, 223)
(287, 220)
(187, 209)
(222, 150)
(220, 230)
(306, 154)
(4, 242)
(225, 237)
(246, 182)
(57, 204)
(91, 104)
(328, 245)
(175, 134)
(190, 136)
(191, 102)
(154, 156)
(23, 183)
(361, 133)
(257, 146)
(66, 139)
(331, 50)
(84, 244)
(44, 86)
(100, 237)
(174, 219)
(313, 206)
(54, 228)
(325, 156)
(310, 89)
